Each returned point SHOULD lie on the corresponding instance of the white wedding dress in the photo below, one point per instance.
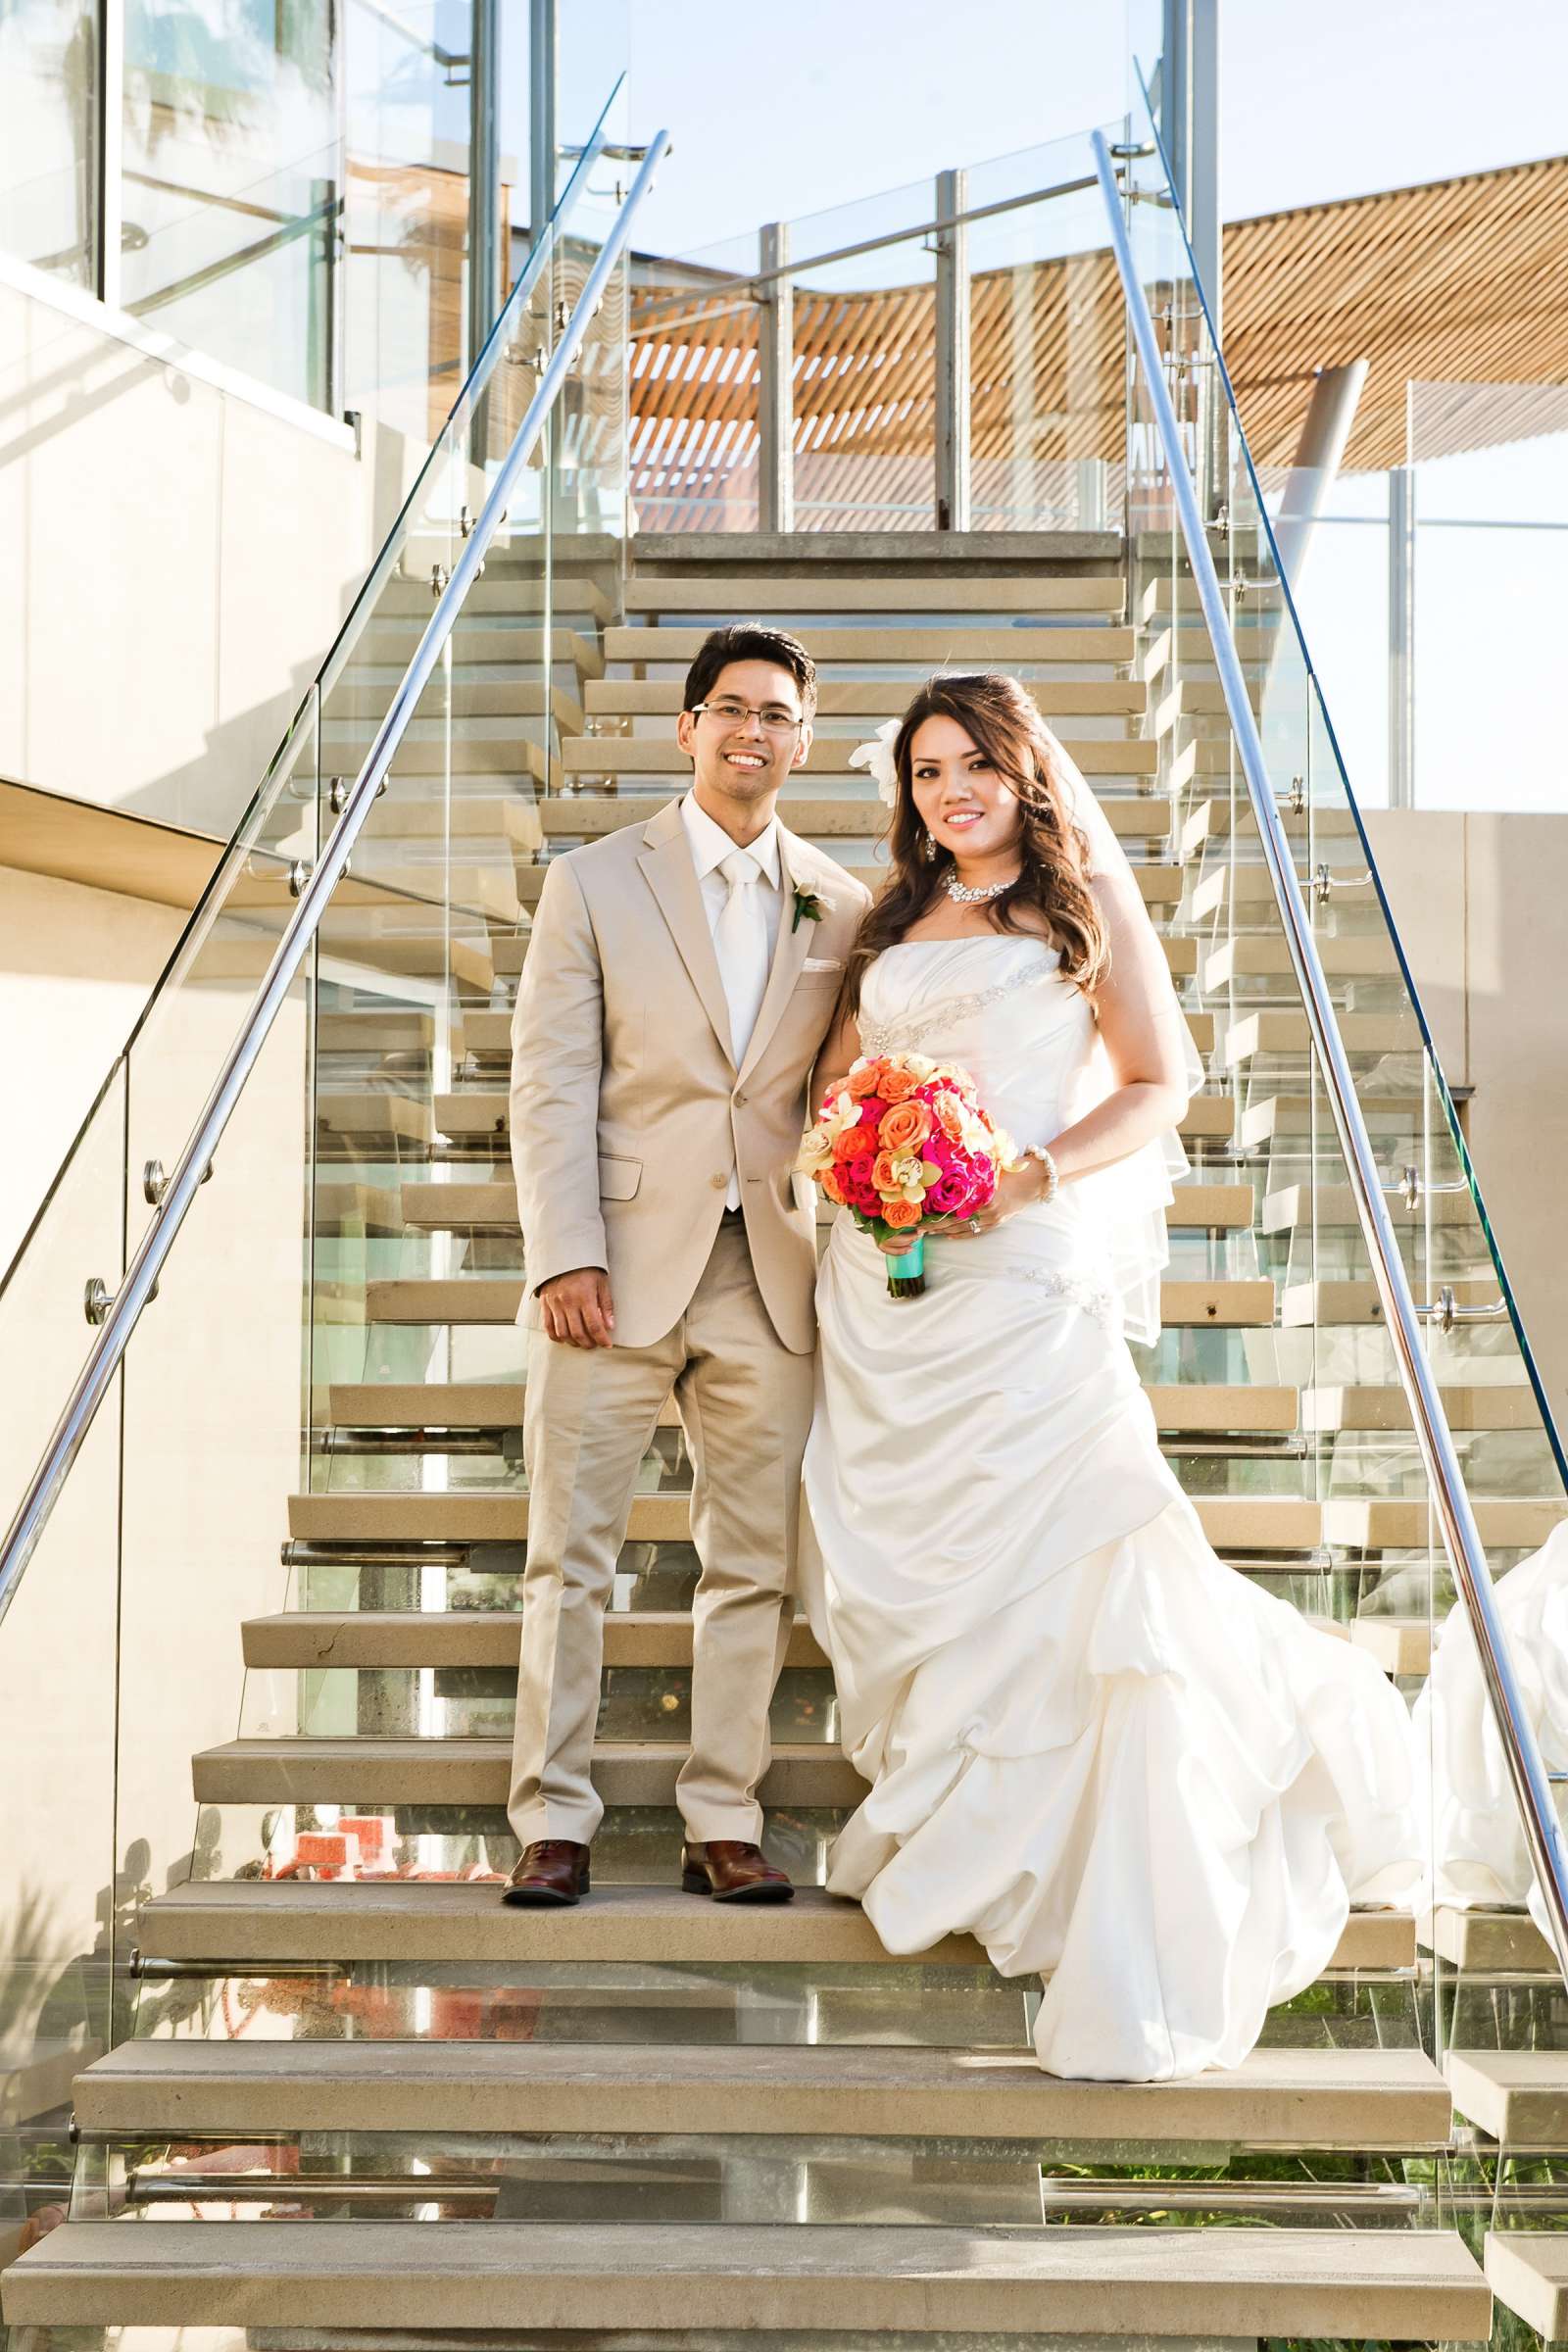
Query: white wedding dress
(1111, 1758)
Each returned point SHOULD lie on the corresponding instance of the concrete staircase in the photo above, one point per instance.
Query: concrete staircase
(648, 2121)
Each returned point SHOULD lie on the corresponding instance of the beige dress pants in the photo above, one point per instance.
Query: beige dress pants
(745, 1402)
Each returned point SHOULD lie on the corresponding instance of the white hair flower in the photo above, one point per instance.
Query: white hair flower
(876, 757)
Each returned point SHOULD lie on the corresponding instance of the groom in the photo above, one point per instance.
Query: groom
(681, 979)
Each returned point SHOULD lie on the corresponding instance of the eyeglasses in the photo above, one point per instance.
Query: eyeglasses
(773, 717)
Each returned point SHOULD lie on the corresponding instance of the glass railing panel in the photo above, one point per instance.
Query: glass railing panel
(695, 329)
(67, 1885)
(864, 385)
(1381, 1533)
(285, 1276)
(1046, 385)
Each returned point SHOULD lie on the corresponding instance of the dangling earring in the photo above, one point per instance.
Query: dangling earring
(928, 848)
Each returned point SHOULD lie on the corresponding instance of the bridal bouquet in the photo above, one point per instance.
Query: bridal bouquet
(904, 1147)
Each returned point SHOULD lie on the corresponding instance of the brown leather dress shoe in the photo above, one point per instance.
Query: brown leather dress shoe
(552, 1871)
(732, 1873)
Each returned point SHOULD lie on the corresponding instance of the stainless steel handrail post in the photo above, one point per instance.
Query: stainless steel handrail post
(141, 1276)
(1461, 1536)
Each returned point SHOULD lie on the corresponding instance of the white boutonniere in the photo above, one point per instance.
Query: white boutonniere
(876, 758)
(809, 906)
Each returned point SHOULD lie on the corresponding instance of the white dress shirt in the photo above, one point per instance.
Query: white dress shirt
(710, 846)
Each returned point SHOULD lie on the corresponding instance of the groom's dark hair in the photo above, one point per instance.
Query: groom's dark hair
(749, 641)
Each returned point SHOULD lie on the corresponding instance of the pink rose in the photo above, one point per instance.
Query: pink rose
(948, 1198)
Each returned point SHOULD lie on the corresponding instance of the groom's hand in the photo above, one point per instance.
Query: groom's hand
(577, 1309)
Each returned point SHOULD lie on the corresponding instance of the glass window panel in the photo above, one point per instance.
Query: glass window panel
(232, 178)
(48, 197)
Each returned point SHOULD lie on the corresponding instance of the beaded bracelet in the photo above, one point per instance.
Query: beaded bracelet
(1052, 1180)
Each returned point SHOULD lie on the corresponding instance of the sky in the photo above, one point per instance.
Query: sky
(776, 112)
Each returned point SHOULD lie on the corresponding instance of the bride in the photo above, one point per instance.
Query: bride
(1090, 1744)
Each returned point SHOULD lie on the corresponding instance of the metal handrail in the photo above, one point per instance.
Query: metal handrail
(141, 1276)
(1463, 1538)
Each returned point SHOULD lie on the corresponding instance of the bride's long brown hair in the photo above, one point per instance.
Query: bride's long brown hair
(1000, 718)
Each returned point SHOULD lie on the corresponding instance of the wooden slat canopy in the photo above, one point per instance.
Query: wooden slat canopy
(1452, 282)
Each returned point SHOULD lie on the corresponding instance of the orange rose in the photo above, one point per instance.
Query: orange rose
(901, 1214)
(903, 1126)
(950, 1118)
(882, 1175)
(831, 1186)
(861, 1083)
(896, 1085)
(856, 1143)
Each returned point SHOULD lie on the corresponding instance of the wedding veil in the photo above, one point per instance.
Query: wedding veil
(1124, 1204)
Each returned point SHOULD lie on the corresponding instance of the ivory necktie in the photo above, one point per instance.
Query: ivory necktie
(740, 941)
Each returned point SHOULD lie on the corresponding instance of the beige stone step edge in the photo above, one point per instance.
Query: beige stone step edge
(1488, 1942)
(936, 645)
(1290, 2098)
(1207, 2284)
(1528, 2270)
(476, 1299)
(243, 1919)
(1518, 2097)
(480, 1515)
(484, 1404)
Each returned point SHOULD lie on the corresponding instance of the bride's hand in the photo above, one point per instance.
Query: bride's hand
(1023, 1188)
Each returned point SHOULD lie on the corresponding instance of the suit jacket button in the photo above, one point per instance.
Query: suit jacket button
(720, 1184)
(740, 1101)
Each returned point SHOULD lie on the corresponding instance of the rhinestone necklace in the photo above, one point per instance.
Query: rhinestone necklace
(962, 896)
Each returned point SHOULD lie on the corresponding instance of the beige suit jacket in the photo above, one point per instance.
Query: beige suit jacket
(627, 1111)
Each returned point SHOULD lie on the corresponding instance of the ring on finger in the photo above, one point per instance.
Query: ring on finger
(974, 1225)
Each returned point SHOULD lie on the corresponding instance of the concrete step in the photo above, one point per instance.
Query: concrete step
(367, 694)
(366, 1033)
(1160, 884)
(823, 591)
(1528, 2270)
(1267, 1118)
(1333, 1206)
(1485, 1942)
(1287, 1032)
(371, 1208)
(243, 1920)
(381, 1772)
(482, 638)
(1302, 2098)
(1400, 1524)
(492, 1208)
(875, 698)
(829, 756)
(1401, 1645)
(588, 817)
(510, 954)
(466, 1299)
(643, 2278)
(1325, 1410)
(1356, 1301)
(934, 647)
(1252, 887)
(477, 1110)
(503, 591)
(376, 1113)
(505, 825)
(1355, 957)
(372, 1638)
(1518, 2097)
(475, 1515)
(1181, 1407)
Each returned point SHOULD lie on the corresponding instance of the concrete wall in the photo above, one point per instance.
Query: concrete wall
(180, 548)
(1478, 899)
(76, 965)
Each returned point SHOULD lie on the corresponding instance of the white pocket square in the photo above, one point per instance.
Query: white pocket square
(824, 964)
